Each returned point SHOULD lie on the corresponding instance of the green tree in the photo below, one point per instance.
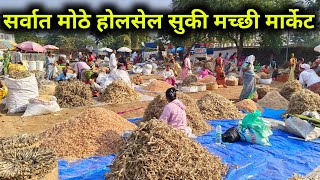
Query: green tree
(272, 39)
(22, 36)
(238, 37)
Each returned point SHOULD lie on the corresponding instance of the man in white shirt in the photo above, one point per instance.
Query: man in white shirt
(309, 78)
(113, 62)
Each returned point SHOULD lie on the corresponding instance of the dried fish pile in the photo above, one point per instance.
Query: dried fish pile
(209, 65)
(189, 80)
(40, 75)
(274, 100)
(248, 105)
(27, 163)
(47, 89)
(96, 131)
(263, 90)
(118, 92)
(195, 120)
(137, 80)
(214, 106)
(264, 75)
(289, 88)
(304, 100)
(73, 94)
(19, 74)
(208, 79)
(157, 86)
(157, 151)
(18, 141)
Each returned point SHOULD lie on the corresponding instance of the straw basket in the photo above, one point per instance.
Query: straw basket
(212, 86)
(232, 83)
(283, 78)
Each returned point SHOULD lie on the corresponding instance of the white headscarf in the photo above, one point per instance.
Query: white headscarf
(305, 66)
(249, 60)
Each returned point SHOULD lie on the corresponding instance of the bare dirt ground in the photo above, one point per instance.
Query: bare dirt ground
(14, 124)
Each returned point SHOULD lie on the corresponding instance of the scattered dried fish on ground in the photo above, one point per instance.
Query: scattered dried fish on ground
(208, 79)
(214, 106)
(73, 94)
(289, 88)
(189, 80)
(18, 141)
(27, 163)
(19, 74)
(118, 92)
(249, 106)
(274, 100)
(304, 100)
(158, 86)
(195, 120)
(158, 151)
(96, 131)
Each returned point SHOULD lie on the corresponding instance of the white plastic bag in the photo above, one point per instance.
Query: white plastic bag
(302, 128)
(121, 75)
(20, 92)
(265, 81)
(252, 136)
(1, 66)
(39, 107)
(101, 77)
(146, 71)
(154, 66)
(137, 70)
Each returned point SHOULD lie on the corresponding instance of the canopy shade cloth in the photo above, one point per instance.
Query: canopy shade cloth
(30, 46)
(9, 44)
(124, 49)
(51, 47)
(105, 49)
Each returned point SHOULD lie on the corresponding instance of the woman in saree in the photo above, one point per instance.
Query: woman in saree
(292, 66)
(221, 78)
(249, 78)
(186, 67)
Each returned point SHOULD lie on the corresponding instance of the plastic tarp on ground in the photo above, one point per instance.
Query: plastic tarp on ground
(246, 161)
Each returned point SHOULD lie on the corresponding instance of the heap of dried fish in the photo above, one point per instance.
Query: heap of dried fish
(208, 79)
(214, 106)
(263, 90)
(274, 100)
(209, 65)
(73, 94)
(96, 131)
(158, 151)
(290, 88)
(18, 141)
(137, 80)
(27, 163)
(249, 106)
(302, 101)
(195, 120)
(19, 74)
(118, 92)
(158, 86)
(189, 80)
(40, 76)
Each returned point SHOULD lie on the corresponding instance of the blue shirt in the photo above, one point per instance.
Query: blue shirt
(62, 77)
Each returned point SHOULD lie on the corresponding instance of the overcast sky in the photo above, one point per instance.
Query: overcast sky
(95, 4)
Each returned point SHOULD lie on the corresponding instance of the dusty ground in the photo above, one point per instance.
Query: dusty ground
(14, 124)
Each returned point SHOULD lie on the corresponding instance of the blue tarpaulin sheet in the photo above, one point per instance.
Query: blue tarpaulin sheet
(247, 161)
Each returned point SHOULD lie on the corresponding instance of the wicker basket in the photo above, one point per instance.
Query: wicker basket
(283, 78)
(232, 83)
(212, 86)
(221, 82)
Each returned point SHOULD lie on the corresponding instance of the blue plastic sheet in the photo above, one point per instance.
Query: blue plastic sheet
(86, 169)
(247, 161)
(273, 114)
